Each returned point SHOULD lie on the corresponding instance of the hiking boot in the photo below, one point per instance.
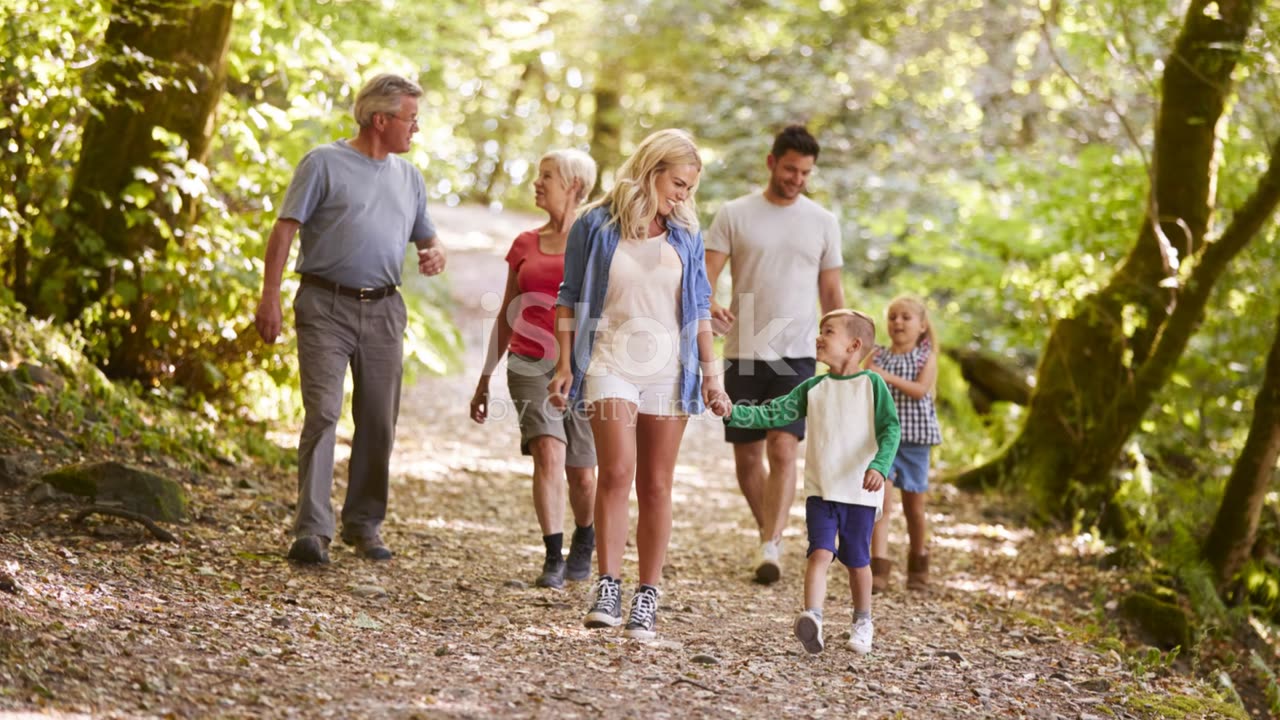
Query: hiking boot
(881, 568)
(369, 547)
(310, 550)
(862, 635)
(644, 614)
(606, 605)
(552, 574)
(918, 572)
(808, 631)
(770, 567)
(578, 566)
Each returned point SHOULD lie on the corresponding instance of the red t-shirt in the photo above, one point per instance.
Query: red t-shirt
(532, 312)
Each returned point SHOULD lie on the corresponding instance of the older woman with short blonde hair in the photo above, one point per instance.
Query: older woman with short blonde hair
(560, 443)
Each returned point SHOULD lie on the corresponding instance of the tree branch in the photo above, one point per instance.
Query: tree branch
(157, 531)
(1247, 222)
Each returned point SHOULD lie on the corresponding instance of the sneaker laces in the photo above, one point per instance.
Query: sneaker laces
(644, 606)
(608, 592)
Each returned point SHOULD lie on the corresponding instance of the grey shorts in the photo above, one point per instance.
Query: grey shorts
(527, 379)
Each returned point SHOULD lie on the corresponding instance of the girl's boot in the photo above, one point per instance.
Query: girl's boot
(881, 568)
(917, 572)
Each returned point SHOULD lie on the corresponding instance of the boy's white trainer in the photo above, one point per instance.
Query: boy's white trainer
(808, 631)
(862, 635)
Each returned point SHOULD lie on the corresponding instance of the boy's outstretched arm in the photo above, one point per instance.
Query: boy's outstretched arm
(777, 412)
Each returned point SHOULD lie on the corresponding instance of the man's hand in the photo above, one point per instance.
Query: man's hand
(872, 480)
(721, 319)
(431, 260)
(268, 317)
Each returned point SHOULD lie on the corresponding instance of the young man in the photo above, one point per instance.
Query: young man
(784, 257)
(358, 206)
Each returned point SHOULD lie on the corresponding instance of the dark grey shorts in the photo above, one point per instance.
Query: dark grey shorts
(758, 381)
(527, 379)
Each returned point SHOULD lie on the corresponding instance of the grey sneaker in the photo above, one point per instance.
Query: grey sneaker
(644, 614)
(369, 547)
(808, 631)
(552, 574)
(578, 566)
(310, 550)
(606, 607)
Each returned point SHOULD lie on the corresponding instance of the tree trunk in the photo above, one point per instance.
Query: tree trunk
(1231, 539)
(164, 68)
(606, 126)
(1095, 382)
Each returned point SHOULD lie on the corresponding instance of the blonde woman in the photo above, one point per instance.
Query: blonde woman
(633, 324)
(559, 442)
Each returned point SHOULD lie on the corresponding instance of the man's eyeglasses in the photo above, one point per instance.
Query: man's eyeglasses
(411, 121)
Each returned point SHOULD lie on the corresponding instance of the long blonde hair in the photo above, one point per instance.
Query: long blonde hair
(632, 200)
(928, 337)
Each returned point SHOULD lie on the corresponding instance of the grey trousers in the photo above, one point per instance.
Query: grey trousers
(334, 333)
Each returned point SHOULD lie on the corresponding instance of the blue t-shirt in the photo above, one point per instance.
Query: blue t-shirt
(358, 214)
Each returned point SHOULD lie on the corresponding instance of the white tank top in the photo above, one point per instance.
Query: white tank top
(638, 338)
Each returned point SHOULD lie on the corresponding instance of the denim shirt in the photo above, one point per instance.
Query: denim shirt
(588, 255)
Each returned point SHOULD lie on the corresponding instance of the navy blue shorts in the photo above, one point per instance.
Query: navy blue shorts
(851, 524)
(755, 381)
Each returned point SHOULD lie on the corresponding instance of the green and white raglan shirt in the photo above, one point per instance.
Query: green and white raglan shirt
(852, 426)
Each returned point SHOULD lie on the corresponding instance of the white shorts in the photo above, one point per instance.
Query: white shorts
(650, 398)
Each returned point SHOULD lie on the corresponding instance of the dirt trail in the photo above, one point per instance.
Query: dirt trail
(108, 624)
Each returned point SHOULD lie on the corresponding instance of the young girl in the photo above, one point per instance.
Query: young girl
(910, 367)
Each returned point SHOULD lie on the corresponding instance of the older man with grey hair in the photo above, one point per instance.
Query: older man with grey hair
(357, 206)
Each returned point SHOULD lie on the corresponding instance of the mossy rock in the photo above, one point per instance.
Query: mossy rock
(40, 375)
(157, 497)
(1163, 624)
(1181, 706)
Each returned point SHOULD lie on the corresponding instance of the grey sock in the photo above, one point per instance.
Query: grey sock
(860, 614)
(817, 612)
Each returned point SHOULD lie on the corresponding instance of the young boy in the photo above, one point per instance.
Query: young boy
(853, 436)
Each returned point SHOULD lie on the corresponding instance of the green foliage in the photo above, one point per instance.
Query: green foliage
(102, 415)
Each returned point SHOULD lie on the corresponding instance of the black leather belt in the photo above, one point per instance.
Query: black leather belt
(361, 294)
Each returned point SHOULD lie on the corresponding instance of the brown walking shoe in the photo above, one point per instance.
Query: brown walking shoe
(918, 572)
(880, 571)
(369, 547)
(310, 550)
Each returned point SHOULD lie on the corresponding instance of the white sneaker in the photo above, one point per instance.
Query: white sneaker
(770, 568)
(860, 638)
(808, 631)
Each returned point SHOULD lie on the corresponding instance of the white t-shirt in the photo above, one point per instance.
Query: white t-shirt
(775, 254)
(638, 337)
(842, 441)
